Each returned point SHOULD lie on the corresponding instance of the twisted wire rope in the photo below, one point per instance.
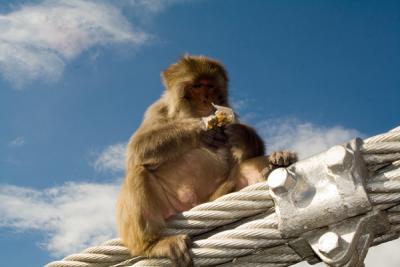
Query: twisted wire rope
(244, 227)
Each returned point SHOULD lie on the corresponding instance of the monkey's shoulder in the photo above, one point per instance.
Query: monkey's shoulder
(156, 111)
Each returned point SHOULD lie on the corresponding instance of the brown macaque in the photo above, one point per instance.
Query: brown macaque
(173, 163)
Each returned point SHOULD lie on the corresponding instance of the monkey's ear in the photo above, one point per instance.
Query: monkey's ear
(171, 72)
(167, 75)
(164, 79)
(185, 56)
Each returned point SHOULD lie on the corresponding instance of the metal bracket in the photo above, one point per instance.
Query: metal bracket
(323, 203)
(321, 190)
(346, 244)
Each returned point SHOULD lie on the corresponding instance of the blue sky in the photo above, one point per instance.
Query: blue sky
(76, 77)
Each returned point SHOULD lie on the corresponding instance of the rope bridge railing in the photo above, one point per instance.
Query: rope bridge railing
(330, 207)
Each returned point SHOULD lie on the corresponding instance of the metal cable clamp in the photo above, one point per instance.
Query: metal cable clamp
(322, 201)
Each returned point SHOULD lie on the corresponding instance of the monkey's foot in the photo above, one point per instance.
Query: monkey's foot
(282, 158)
(176, 248)
(278, 159)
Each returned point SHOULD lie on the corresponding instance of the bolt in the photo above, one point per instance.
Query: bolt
(338, 159)
(280, 181)
(329, 243)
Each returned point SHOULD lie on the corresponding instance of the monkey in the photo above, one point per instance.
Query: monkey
(173, 163)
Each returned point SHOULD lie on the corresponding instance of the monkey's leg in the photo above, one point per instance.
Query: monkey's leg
(254, 170)
(226, 187)
(243, 174)
(141, 209)
(251, 171)
(257, 169)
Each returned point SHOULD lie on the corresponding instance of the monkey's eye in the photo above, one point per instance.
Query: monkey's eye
(196, 86)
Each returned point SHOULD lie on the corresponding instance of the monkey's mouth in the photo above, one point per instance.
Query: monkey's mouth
(206, 110)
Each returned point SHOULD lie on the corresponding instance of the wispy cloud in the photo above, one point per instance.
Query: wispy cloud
(112, 158)
(38, 40)
(239, 104)
(17, 142)
(153, 6)
(303, 137)
(73, 216)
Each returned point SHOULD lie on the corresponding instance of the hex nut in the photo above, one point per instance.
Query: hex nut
(281, 181)
(329, 243)
(338, 159)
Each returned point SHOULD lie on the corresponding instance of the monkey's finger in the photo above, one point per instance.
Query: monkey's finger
(286, 158)
(183, 252)
(219, 143)
(220, 130)
(292, 157)
(230, 129)
(281, 159)
(186, 257)
(221, 137)
(210, 133)
(208, 140)
(275, 157)
(173, 255)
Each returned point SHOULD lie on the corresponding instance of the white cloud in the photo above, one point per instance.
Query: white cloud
(111, 159)
(37, 41)
(73, 216)
(304, 138)
(239, 104)
(153, 6)
(19, 141)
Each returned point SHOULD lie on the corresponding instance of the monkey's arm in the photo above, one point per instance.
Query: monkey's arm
(141, 208)
(245, 142)
(143, 203)
(154, 145)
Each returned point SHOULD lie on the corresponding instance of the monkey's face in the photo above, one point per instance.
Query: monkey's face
(193, 84)
(202, 93)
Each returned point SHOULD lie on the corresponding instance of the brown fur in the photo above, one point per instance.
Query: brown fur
(172, 164)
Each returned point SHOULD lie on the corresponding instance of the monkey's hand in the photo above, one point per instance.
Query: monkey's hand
(176, 248)
(214, 138)
(282, 158)
(244, 141)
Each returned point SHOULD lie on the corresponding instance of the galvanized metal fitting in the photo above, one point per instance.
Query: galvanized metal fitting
(321, 190)
(281, 181)
(322, 202)
(347, 243)
(329, 243)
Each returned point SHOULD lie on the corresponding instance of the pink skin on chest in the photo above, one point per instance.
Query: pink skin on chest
(195, 177)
